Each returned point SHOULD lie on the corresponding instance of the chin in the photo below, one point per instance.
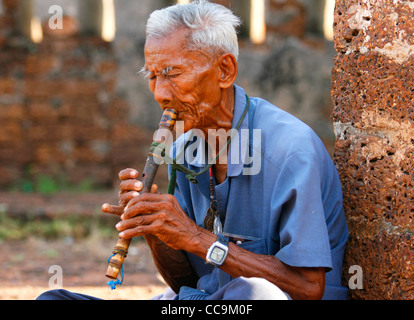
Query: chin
(189, 122)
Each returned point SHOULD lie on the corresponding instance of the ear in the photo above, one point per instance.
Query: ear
(228, 70)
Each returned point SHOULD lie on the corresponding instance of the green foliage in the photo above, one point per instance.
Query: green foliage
(46, 184)
(73, 226)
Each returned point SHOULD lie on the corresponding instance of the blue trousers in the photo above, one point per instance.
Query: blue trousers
(237, 289)
(61, 294)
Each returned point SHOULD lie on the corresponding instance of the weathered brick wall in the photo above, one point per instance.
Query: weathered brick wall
(73, 107)
(286, 18)
(373, 94)
(60, 112)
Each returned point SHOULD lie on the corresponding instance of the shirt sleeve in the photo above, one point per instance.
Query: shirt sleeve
(303, 234)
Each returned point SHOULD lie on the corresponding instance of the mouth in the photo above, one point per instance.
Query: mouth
(187, 113)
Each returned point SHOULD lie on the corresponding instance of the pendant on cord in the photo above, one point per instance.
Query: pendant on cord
(211, 215)
(212, 220)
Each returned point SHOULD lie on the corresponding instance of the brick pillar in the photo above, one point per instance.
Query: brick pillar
(9, 22)
(373, 93)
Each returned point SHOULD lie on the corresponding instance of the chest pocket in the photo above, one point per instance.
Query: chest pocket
(257, 246)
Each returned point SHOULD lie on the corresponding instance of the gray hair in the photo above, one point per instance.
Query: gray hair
(212, 25)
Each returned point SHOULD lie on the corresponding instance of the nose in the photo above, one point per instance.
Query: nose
(161, 89)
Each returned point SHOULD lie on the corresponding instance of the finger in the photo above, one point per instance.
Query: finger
(135, 227)
(126, 195)
(135, 208)
(134, 232)
(130, 185)
(160, 200)
(128, 174)
(152, 197)
(124, 198)
(117, 210)
(148, 227)
(144, 219)
(154, 188)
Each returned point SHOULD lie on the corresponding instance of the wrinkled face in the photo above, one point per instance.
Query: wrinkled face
(183, 79)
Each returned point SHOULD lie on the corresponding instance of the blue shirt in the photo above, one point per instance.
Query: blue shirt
(286, 202)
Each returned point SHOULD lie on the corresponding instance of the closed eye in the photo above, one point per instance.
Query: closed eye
(146, 73)
(152, 76)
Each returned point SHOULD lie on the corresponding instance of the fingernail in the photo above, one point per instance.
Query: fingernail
(121, 234)
(117, 225)
(138, 184)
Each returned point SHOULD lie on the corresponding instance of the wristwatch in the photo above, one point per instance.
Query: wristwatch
(217, 252)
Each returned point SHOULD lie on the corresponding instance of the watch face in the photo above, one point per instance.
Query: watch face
(217, 254)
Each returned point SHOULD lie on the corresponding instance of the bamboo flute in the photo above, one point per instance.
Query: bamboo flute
(148, 175)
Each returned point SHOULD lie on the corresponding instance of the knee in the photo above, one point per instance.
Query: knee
(51, 295)
(259, 289)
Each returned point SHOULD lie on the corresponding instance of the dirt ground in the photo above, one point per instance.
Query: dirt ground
(83, 262)
(26, 273)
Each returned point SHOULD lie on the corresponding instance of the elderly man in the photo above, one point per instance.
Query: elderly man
(269, 227)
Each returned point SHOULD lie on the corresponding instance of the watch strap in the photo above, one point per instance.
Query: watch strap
(223, 240)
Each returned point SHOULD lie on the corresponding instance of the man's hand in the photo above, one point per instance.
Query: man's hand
(158, 215)
(151, 214)
(172, 264)
(129, 188)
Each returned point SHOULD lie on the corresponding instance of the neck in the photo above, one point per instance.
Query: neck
(223, 122)
(221, 119)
